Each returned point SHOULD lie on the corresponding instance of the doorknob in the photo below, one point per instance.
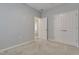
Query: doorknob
(64, 30)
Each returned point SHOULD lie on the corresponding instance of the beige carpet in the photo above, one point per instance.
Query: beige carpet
(43, 48)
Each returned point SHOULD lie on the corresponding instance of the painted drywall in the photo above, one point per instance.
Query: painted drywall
(16, 24)
(59, 9)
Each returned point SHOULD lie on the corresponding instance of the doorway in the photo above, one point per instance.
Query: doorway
(40, 28)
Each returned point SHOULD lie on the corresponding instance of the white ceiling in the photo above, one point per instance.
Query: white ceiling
(43, 6)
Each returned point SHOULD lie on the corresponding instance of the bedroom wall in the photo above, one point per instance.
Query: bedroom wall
(16, 24)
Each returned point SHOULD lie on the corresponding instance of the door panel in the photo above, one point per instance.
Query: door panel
(66, 27)
(41, 28)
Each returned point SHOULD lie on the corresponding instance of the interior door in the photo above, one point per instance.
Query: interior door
(66, 28)
(36, 35)
(70, 33)
(57, 28)
(41, 28)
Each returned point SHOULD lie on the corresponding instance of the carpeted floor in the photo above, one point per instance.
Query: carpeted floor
(43, 48)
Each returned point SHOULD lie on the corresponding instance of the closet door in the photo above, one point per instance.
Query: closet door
(66, 28)
(57, 28)
(70, 28)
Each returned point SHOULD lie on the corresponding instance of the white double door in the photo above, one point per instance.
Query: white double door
(66, 28)
(41, 28)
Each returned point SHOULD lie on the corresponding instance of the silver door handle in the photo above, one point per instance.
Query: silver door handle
(64, 30)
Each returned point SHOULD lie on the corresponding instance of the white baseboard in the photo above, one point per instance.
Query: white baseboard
(2, 50)
(61, 42)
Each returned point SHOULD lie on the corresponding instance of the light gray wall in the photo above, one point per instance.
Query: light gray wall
(16, 24)
(60, 9)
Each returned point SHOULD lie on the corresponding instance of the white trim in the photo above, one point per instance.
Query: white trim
(53, 40)
(2, 50)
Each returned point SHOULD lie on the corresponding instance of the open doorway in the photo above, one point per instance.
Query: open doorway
(40, 28)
